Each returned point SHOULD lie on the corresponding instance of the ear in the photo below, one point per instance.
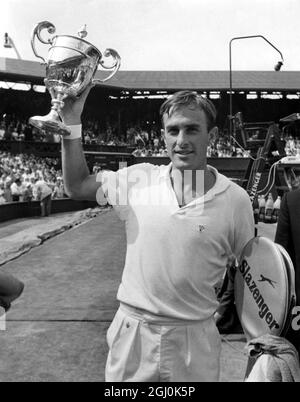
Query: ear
(163, 135)
(213, 134)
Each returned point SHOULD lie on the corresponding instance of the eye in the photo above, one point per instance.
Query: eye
(192, 130)
(172, 131)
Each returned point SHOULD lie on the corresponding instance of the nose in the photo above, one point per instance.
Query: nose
(182, 139)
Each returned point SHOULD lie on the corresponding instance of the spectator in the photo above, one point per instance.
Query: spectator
(16, 190)
(8, 133)
(2, 130)
(156, 143)
(27, 195)
(2, 193)
(25, 167)
(7, 193)
(42, 192)
(139, 140)
(59, 191)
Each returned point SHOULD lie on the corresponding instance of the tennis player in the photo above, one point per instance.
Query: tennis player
(184, 222)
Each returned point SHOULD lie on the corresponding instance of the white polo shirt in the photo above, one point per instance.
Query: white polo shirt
(176, 256)
(41, 186)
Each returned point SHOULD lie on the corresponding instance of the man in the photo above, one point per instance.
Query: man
(27, 192)
(43, 193)
(2, 199)
(16, 189)
(28, 133)
(58, 191)
(288, 236)
(184, 222)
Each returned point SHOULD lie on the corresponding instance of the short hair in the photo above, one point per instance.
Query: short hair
(190, 99)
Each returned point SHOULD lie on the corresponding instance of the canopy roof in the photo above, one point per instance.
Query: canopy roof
(34, 72)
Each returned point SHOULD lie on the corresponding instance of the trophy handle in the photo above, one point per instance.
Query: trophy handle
(116, 65)
(37, 32)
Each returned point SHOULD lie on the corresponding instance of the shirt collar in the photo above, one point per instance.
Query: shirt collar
(164, 171)
(221, 183)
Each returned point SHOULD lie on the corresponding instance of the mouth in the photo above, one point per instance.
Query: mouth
(183, 153)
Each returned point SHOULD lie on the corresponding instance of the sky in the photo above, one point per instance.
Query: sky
(166, 34)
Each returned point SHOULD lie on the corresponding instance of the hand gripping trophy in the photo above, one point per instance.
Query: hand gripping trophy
(71, 66)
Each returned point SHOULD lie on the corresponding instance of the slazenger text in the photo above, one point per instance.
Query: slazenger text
(264, 311)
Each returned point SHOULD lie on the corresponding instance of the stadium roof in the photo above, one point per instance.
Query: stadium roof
(30, 71)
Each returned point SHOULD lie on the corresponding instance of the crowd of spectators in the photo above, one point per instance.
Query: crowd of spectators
(94, 135)
(147, 141)
(14, 129)
(223, 147)
(22, 175)
(18, 131)
(220, 146)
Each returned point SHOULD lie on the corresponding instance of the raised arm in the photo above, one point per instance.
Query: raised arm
(79, 183)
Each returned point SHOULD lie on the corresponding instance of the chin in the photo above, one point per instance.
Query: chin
(182, 165)
(185, 165)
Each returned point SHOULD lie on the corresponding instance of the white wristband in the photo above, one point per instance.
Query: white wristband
(75, 132)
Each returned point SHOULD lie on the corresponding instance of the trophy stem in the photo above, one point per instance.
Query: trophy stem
(52, 122)
(57, 100)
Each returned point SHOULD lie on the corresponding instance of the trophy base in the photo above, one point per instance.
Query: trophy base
(50, 123)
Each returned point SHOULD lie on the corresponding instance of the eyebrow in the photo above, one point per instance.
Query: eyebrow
(175, 126)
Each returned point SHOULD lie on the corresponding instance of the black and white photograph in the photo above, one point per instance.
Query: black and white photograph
(150, 193)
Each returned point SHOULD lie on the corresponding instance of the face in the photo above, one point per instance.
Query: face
(186, 137)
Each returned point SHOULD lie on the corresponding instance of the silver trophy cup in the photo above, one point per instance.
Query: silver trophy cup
(71, 65)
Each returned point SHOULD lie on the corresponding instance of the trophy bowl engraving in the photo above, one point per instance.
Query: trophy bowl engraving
(71, 65)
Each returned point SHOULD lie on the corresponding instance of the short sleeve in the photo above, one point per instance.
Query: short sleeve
(116, 187)
(114, 190)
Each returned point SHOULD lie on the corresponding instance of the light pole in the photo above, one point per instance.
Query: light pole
(9, 43)
(277, 67)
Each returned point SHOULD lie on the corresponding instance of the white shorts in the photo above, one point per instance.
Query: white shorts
(145, 348)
